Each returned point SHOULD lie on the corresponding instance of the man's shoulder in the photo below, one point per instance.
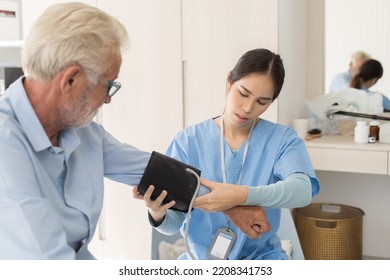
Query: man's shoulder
(342, 76)
(340, 82)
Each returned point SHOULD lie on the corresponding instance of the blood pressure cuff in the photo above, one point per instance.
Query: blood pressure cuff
(166, 173)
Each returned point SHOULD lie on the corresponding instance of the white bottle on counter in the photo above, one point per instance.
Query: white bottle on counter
(361, 132)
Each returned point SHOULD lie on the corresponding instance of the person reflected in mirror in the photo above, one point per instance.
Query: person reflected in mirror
(369, 74)
(245, 161)
(342, 80)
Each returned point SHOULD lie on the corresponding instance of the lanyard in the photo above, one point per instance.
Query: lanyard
(223, 151)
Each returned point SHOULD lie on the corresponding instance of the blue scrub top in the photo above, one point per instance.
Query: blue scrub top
(275, 152)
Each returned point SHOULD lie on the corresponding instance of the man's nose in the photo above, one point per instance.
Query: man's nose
(107, 100)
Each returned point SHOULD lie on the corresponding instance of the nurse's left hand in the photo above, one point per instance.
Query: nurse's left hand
(221, 197)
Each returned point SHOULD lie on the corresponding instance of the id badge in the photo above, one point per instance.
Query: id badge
(222, 244)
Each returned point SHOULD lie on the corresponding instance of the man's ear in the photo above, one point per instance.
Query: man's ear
(71, 77)
(229, 81)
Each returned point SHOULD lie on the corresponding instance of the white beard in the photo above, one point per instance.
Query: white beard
(86, 120)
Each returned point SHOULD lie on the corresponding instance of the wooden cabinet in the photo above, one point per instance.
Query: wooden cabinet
(341, 154)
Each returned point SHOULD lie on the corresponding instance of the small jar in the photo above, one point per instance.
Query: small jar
(361, 132)
(373, 134)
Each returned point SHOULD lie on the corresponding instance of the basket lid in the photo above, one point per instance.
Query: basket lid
(329, 211)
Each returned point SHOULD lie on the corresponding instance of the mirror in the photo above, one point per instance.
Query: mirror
(352, 25)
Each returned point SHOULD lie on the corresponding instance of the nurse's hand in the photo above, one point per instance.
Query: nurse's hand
(221, 196)
(156, 207)
(252, 220)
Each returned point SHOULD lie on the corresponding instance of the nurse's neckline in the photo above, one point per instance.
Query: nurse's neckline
(236, 139)
(217, 122)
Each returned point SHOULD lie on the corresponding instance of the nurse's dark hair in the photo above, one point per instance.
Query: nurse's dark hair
(263, 62)
(369, 70)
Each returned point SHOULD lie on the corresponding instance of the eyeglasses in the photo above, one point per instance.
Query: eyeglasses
(113, 87)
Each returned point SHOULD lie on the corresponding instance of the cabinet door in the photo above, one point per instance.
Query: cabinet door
(146, 113)
(215, 34)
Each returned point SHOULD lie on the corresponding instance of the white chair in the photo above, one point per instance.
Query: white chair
(287, 231)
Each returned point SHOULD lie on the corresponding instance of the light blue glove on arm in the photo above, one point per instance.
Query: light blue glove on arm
(294, 191)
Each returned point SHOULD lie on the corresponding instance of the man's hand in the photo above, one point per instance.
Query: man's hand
(252, 220)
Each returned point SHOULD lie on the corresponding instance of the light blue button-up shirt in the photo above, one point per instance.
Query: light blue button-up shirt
(51, 197)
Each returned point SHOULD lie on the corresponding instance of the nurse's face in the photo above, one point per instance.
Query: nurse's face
(248, 98)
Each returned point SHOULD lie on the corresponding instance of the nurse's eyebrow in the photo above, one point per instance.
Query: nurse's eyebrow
(260, 98)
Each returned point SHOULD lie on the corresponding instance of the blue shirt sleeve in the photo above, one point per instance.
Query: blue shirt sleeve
(294, 158)
(386, 103)
(123, 162)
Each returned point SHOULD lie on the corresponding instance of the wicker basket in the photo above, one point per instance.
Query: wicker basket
(330, 231)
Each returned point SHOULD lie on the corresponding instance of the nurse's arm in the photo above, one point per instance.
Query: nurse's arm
(221, 196)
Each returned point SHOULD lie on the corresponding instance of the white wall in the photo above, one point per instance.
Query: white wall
(353, 25)
(292, 47)
(300, 37)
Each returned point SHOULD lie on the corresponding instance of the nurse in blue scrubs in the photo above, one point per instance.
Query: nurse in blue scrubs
(245, 161)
